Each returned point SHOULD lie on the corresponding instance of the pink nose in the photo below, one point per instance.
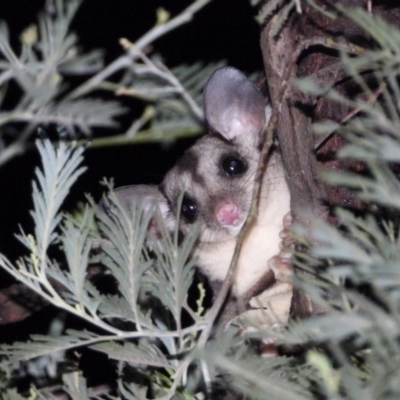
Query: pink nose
(227, 214)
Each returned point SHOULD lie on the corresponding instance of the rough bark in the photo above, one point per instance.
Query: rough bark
(290, 54)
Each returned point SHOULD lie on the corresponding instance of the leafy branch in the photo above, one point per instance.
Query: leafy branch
(50, 54)
(118, 244)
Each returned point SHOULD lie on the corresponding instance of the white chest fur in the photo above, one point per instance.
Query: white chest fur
(261, 244)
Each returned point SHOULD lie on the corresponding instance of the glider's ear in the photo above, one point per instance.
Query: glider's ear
(233, 106)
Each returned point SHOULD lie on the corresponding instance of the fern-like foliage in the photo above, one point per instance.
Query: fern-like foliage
(146, 325)
(280, 9)
(352, 350)
(146, 309)
(50, 55)
(360, 257)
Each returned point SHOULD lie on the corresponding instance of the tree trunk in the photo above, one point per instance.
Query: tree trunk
(298, 50)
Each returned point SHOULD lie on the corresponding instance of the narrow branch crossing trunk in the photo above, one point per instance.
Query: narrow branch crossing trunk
(300, 49)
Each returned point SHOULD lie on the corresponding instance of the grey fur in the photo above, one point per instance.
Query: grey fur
(236, 113)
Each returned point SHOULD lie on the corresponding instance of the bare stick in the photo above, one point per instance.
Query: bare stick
(124, 61)
(369, 6)
(371, 100)
(268, 135)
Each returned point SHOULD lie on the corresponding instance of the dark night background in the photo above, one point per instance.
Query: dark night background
(224, 29)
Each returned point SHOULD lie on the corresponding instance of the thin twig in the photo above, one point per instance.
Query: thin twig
(330, 43)
(369, 6)
(251, 217)
(6, 76)
(164, 73)
(183, 18)
(147, 136)
(371, 100)
(124, 61)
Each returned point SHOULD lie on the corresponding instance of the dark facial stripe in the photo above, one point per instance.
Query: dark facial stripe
(189, 162)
